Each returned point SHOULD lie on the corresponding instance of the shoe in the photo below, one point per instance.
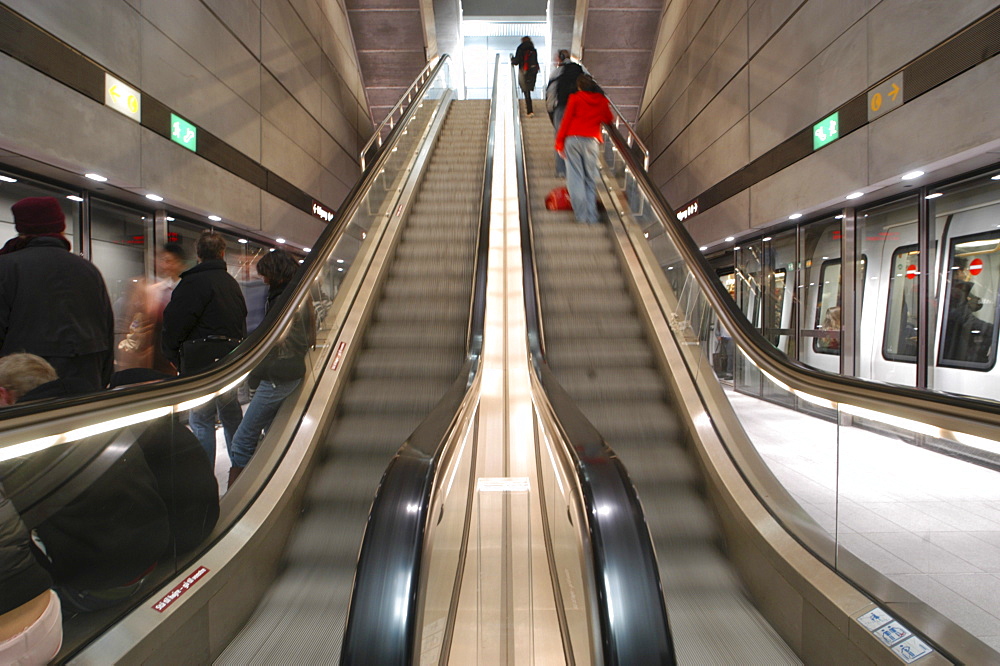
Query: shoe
(531, 115)
(234, 473)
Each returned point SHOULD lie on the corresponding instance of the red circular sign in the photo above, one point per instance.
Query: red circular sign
(911, 271)
(976, 266)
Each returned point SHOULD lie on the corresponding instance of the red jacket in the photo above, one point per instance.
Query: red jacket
(583, 117)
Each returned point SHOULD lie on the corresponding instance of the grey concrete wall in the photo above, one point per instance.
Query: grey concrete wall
(278, 80)
(731, 79)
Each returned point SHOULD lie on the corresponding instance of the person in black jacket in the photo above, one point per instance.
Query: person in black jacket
(561, 86)
(204, 321)
(52, 302)
(281, 371)
(526, 60)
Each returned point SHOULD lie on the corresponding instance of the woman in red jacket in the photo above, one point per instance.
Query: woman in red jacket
(577, 141)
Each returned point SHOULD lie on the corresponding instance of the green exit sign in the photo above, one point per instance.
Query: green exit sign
(826, 131)
(183, 132)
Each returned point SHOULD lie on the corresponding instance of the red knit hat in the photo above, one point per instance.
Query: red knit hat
(36, 216)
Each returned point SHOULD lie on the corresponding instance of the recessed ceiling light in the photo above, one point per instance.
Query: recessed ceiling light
(854, 195)
(766, 238)
(307, 249)
(302, 261)
(154, 197)
(271, 250)
(703, 248)
(996, 177)
(73, 197)
(730, 239)
(794, 216)
(912, 174)
(244, 240)
(838, 217)
(737, 247)
(96, 176)
(170, 219)
(935, 195)
(279, 240)
(8, 179)
(215, 218)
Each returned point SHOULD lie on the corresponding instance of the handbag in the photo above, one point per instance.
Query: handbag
(558, 199)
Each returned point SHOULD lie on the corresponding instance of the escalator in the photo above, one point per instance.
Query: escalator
(413, 349)
(596, 346)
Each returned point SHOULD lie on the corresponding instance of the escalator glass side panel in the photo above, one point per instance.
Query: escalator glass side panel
(893, 504)
(115, 515)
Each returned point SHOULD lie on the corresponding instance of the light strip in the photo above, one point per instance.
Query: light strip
(35, 445)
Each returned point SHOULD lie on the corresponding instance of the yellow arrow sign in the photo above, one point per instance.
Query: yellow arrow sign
(122, 98)
(893, 92)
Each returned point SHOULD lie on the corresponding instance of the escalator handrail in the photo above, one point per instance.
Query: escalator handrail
(414, 91)
(626, 575)
(948, 412)
(382, 619)
(46, 418)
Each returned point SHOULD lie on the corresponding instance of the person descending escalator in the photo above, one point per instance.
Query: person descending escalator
(526, 60)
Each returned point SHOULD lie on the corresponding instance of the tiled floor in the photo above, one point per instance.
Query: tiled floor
(929, 522)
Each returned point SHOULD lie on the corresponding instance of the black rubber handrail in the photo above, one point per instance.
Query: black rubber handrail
(382, 621)
(949, 412)
(633, 616)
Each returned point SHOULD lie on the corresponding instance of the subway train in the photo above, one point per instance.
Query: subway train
(794, 295)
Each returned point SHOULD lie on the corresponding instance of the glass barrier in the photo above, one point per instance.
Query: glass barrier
(904, 510)
(117, 508)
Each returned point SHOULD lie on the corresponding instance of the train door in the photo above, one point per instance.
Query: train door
(887, 304)
(818, 289)
(965, 356)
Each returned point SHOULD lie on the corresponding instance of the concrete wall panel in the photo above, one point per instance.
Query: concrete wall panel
(289, 70)
(242, 17)
(106, 30)
(766, 17)
(280, 219)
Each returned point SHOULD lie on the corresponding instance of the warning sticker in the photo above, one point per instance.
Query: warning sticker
(339, 355)
(175, 594)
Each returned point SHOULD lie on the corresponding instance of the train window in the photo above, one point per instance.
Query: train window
(899, 343)
(827, 339)
(968, 335)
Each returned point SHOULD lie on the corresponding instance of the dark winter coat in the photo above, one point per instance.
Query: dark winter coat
(206, 302)
(566, 83)
(54, 304)
(22, 578)
(286, 361)
(526, 60)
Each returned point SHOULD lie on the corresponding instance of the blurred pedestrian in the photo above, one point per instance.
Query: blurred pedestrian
(526, 60)
(562, 84)
(577, 141)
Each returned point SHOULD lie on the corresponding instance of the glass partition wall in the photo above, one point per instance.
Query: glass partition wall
(909, 517)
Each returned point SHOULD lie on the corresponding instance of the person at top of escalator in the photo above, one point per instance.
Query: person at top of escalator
(52, 302)
(526, 60)
(577, 141)
(281, 371)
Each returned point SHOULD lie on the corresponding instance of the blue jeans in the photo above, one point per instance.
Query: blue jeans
(557, 117)
(581, 176)
(260, 413)
(202, 421)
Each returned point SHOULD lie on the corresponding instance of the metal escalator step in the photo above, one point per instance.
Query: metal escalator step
(355, 431)
(622, 422)
(662, 465)
(428, 270)
(452, 289)
(559, 261)
(606, 384)
(421, 250)
(562, 327)
(439, 311)
(438, 364)
(597, 353)
(376, 395)
(557, 280)
(430, 336)
(688, 520)
(611, 301)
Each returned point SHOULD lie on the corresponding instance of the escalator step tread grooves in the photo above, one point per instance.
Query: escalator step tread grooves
(597, 348)
(411, 354)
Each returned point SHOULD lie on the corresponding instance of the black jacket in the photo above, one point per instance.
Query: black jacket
(287, 360)
(526, 60)
(206, 302)
(54, 304)
(22, 578)
(566, 83)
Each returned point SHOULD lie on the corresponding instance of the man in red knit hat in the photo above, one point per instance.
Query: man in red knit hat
(53, 303)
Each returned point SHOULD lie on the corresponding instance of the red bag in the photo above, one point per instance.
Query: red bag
(558, 199)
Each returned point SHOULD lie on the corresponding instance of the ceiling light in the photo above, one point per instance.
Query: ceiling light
(838, 217)
(737, 247)
(154, 197)
(244, 241)
(996, 177)
(279, 241)
(854, 195)
(302, 261)
(73, 197)
(730, 239)
(96, 176)
(935, 195)
(307, 249)
(912, 174)
(271, 250)
(170, 219)
(766, 238)
(8, 179)
(215, 218)
(794, 216)
(703, 248)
